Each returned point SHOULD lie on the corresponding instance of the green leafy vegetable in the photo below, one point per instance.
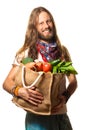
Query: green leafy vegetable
(54, 62)
(63, 67)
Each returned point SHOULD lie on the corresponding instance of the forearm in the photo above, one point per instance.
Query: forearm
(8, 85)
(71, 87)
(9, 82)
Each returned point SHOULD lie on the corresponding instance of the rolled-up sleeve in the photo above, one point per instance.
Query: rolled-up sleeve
(18, 58)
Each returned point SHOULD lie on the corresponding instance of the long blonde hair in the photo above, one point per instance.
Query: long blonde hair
(31, 35)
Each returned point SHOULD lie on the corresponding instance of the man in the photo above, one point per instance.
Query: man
(42, 43)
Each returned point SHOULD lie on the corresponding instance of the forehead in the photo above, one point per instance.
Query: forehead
(43, 16)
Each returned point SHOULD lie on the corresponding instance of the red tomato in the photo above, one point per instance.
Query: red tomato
(47, 67)
(39, 66)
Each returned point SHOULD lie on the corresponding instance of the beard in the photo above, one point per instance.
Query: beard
(48, 38)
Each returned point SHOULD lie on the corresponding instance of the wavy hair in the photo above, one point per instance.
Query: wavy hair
(31, 35)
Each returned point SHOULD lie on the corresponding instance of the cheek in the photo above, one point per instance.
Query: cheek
(51, 26)
(39, 29)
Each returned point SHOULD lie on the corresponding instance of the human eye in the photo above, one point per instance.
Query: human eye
(41, 23)
(49, 21)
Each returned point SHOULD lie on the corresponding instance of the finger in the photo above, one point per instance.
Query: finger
(35, 94)
(32, 102)
(39, 97)
(35, 100)
(33, 88)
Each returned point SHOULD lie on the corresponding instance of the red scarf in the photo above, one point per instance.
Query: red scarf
(48, 51)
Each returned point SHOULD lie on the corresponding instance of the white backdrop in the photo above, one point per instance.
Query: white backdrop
(70, 17)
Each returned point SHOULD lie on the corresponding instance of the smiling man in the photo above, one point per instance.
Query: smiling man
(45, 27)
(42, 43)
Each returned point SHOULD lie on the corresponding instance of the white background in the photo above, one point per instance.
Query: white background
(71, 21)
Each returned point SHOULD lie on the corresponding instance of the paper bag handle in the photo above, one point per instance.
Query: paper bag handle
(29, 86)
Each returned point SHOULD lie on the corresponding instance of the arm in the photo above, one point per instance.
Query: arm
(71, 78)
(67, 94)
(71, 87)
(9, 83)
(30, 95)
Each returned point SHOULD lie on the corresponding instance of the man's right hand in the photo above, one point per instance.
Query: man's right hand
(30, 95)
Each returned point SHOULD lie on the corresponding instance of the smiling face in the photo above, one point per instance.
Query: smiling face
(45, 27)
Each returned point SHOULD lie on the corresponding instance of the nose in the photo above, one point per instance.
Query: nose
(46, 24)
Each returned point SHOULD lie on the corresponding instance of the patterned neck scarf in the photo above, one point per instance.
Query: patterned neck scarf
(48, 51)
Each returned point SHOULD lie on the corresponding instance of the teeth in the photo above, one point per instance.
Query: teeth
(47, 31)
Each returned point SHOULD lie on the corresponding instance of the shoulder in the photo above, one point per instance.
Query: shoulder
(66, 53)
(19, 57)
